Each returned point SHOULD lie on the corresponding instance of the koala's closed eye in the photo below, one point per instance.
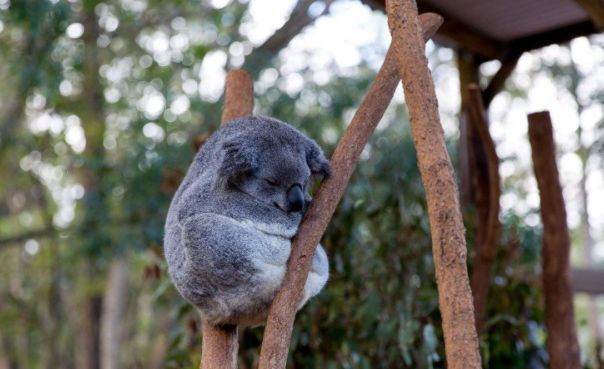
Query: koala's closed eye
(272, 182)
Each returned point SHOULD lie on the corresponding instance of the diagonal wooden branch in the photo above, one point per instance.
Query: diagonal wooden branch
(562, 343)
(220, 344)
(448, 240)
(278, 330)
(489, 228)
(298, 19)
(498, 81)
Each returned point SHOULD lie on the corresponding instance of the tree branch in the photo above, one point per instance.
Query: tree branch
(562, 343)
(498, 81)
(298, 19)
(442, 195)
(7, 241)
(277, 333)
(489, 227)
(220, 344)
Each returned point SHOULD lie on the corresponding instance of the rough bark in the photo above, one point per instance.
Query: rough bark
(562, 343)
(489, 227)
(113, 313)
(277, 333)
(220, 344)
(448, 240)
(238, 95)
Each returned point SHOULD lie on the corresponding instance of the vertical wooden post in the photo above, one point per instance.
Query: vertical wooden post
(448, 240)
(487, 192)
(562, 343)
(468, 74)
(220, 343)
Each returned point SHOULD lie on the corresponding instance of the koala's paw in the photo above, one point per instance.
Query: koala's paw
(318, 276)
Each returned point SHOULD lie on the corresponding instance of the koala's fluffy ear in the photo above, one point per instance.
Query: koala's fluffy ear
(239, 156)
(316, 161)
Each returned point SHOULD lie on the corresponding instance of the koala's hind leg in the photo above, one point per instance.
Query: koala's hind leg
(218, 249)
(319, 273)
(243, 265)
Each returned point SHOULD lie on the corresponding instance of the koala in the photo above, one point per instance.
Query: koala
(230, 224)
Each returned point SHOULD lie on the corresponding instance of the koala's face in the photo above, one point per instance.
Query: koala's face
(273, 163)
(281, 179)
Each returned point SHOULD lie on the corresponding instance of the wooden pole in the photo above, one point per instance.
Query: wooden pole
(448, 240)
(468, 147)
(562, 343)
(487, 196)
(277, 333)
(220, 343)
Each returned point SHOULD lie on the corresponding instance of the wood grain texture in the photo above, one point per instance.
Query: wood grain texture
(562, 343)
(277, 333)
(220, 343)
(489, 227)
(238, 95)
(448, 239)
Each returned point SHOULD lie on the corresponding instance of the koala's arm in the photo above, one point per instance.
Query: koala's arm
(229, 254)
(319, 273)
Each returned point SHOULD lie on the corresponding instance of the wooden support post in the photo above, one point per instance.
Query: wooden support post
(594, 9)
(448, 240)
(487, 197)
(562, 343)
(277, 333)
(468, 74)
(220, 343)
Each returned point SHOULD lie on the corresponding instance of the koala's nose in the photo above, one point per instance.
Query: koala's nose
(295, 199)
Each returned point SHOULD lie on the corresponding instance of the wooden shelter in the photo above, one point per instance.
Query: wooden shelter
(499, 29)
(481, 31)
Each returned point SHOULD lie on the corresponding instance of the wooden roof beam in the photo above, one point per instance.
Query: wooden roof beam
(557, 36)
(594, 9)
(464, 37)
(456, 34)
(588, 281)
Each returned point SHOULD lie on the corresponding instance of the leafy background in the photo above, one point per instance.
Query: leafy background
(101, 105)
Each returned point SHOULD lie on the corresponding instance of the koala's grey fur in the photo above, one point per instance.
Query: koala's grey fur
(230, 224)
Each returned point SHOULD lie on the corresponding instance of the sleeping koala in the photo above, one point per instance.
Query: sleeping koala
(230, 224)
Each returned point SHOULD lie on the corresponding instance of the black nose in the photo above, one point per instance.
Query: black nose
(295, 199)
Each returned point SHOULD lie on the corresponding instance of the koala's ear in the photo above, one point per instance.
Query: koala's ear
(239, 156)
(316, 161)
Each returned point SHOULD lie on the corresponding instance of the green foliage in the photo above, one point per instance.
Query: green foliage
(86, 206)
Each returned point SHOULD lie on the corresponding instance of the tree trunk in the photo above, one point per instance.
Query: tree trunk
(487, 191)
(161, 341)
(562, 343)
(88, 314)
(220, 344)
(448, 241)
(277, 334)
(469, 71)
(112, 313)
